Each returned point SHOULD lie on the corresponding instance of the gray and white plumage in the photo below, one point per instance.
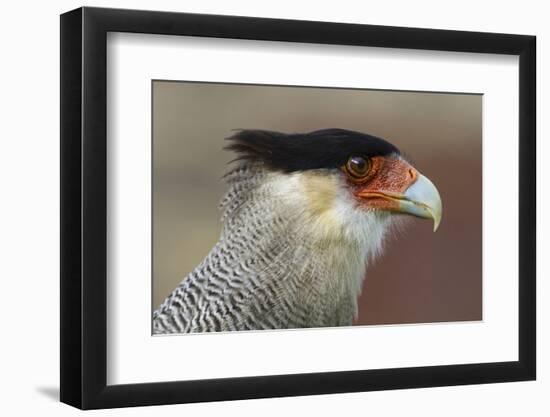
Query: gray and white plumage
(294, 246)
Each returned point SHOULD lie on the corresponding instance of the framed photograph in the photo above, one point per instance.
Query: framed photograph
(257, 207)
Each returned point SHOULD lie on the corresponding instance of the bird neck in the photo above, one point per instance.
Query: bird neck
(292, 253)
(300, 242)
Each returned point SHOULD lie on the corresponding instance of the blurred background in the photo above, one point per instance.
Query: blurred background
(421, 277)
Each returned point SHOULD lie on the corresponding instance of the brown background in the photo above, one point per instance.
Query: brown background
(421, 277)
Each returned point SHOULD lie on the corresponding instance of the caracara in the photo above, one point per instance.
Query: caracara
(303, 215)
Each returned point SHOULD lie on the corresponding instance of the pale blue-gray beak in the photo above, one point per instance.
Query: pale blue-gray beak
(422, 199)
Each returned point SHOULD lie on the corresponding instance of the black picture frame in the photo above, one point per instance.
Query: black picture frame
(84, 207)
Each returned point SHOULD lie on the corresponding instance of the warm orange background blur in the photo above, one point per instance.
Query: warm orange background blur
(421, 277)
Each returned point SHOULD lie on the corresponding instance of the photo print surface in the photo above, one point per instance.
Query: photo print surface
(280, 207)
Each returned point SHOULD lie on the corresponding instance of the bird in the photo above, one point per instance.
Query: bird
(303, 216)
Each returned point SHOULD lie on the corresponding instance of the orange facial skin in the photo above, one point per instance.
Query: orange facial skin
(385, 183)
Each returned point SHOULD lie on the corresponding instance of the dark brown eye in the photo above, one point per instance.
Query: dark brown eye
(358, 167)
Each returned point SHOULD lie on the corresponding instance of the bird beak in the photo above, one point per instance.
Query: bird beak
(422, 199)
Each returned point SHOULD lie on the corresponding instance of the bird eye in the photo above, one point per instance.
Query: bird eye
(358, 167)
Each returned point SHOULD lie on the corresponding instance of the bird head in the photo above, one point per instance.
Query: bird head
(303, 215)
(342, 173)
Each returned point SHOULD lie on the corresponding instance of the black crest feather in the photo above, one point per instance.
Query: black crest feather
(327, 148)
